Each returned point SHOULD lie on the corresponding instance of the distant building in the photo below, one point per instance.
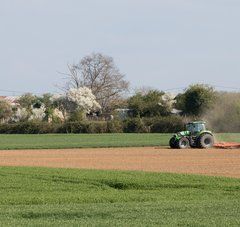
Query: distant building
(13, 100)
(123, 113)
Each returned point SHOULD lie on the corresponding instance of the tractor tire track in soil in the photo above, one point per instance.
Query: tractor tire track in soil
(216, 162)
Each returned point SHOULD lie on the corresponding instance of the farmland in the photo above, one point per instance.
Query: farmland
(42, 196)
(61, 141)
(33, 196)
(214, 162)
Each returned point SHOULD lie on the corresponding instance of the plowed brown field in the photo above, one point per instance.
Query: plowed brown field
(217, 162)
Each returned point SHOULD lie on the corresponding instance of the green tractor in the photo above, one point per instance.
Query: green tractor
(195, 136)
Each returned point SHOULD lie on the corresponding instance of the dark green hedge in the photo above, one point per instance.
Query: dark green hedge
(131, 125)
(165, 124)
(28, 128)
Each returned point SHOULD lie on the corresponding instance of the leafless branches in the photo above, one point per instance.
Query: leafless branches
(99, 73)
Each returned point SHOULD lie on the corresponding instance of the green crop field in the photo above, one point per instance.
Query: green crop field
(81, 140)
(92, 140)
(57, 197)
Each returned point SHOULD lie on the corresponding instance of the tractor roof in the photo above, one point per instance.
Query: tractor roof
(197, 122)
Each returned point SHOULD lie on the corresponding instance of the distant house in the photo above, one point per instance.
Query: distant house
(123, 113)
(13, 100)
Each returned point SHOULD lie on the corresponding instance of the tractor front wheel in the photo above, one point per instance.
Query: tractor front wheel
(205, 141)
(183, 143)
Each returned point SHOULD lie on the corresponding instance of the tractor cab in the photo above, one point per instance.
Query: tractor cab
(196, 127)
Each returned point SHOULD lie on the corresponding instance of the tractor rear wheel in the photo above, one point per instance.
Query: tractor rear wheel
(172, 142)
(205, 140)
(183, 143)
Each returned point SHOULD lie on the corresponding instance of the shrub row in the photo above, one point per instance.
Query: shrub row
(27, 128)
(131, 125)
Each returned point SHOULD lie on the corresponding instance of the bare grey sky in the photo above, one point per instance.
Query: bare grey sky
(158, 43)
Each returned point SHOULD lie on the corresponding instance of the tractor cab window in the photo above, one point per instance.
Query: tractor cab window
(194, 128)
(201, 127)
(189, 127)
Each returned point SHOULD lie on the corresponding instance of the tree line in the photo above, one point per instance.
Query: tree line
(96, 95)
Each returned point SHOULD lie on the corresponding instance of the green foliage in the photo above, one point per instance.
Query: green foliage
(72, 127)
(97, 127)
(148, 105)
(71, 197)
(28, 127)
(63, 104)
(165, 124)
(27, 100)
(135, 125)
(5, 110)
(55, 119)
(115, 126)
(77, 115)
(46, 99)
(196, 99)
(84, 127)
(130, 125)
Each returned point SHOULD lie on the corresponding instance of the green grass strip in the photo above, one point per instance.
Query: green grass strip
(58, 141)
(53, 197)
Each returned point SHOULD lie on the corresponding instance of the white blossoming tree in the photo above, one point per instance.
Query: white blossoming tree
(62, 106)
(168, 100)
(21, 114)
(84, 99)
(38, 113)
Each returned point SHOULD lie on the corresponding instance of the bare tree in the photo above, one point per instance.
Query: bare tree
(99, 73)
